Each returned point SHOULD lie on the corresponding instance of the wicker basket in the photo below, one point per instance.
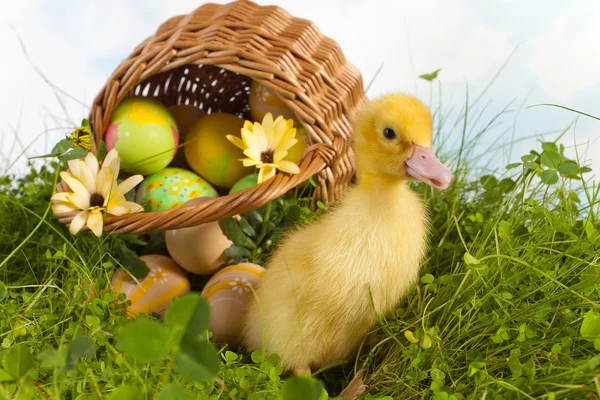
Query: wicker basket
(208, 58)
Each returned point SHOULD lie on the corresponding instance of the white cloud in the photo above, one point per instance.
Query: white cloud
(565, 58)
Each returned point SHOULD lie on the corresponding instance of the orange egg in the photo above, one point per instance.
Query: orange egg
(185, 116)
(155, 292)
(228, 293)
(263, 100)
(198, 249)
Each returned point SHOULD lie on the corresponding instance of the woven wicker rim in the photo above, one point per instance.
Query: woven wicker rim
(242, 40)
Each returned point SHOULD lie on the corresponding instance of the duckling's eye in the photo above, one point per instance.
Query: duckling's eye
(389, 134)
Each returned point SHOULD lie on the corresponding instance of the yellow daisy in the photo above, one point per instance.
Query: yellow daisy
(95, 191)
(266, 145)
(81, 138)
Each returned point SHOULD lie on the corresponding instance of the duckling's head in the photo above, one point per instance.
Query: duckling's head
(392, 138)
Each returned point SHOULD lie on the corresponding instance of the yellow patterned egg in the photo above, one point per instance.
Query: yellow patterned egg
(154, 293)
(228, 293)
(211, 155)
(198, 249)
(262, 100)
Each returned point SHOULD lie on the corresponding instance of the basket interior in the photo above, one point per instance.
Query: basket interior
(206, 87)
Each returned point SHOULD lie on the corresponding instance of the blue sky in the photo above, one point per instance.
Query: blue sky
(78, 44)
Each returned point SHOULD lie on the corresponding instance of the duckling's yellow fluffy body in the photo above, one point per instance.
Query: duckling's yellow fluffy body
(326, 282)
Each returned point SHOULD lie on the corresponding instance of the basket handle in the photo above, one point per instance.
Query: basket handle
(317, 157)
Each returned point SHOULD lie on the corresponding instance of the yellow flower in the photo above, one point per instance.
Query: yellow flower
(266, 145)
(81, 138)
(95, 191)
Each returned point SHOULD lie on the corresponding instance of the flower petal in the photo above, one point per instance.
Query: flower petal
(79, 201)
(74, 184)
(248, 162)
(63, 208)
(279, 130)
(133, 207)
(78, 222)
(60, 196)
(253, 154)
(80, 192)
(106, 182)
(278, 120)
(116, 208)
(259, 135)
(129, 183)
(112, 162)
(250, 140)
(289, 124)
(266, 173)
(289, 167)
(87, 177)
(92, 163)
(267, 127)
(95, 223)
(279, 155)
(237, 142)
(75, 167)
(248, 125)
(287, 142)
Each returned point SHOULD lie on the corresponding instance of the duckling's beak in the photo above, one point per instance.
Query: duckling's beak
(424, 166)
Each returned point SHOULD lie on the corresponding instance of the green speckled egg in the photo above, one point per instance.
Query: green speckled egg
(170, 188)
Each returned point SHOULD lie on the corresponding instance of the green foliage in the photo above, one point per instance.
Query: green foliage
(144, 340)
(505, 307)
(430, 77)
(18, 361)
(301, 388)
(258, 231)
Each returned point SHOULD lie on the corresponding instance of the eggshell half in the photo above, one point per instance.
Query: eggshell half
(155, 292)
(228, 293)
(198, 249)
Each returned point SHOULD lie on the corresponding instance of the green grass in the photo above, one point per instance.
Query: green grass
(507, 306)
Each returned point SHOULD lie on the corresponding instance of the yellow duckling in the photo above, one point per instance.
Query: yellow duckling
(327, 281)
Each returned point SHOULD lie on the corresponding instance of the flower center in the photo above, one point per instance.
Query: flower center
(266, 156)
(96, 200)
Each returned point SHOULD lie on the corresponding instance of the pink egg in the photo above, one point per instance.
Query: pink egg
(228, 293)
(153, 294)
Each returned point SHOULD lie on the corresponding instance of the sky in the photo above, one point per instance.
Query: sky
(555, 59)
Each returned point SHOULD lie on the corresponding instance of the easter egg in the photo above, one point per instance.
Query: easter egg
(185, 116)
(244, 183)
(144, 133)
(154, 293)
(295, 152)
(263, 100)
(228, 293)
(211, 155)
(198, 249)
(170, 188)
